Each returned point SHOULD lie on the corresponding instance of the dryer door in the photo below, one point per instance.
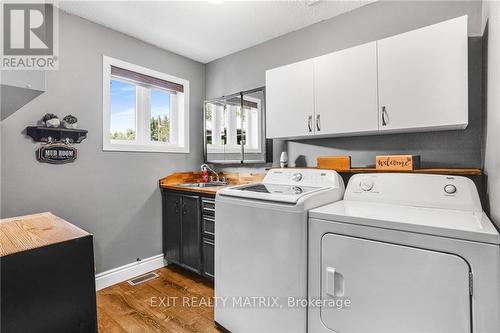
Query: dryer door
(392, 288)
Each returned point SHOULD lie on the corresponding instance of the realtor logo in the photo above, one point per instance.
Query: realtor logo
(29, 38)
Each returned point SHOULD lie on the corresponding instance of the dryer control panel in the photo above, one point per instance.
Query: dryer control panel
(422, 190)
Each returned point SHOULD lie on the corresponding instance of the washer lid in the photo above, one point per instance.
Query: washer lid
(288, 185)
(459, 224)
(270, 192)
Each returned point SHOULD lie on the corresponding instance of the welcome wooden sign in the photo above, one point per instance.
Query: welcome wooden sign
(397, 162)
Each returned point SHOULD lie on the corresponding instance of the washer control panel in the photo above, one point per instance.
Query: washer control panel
(297, 177)
(303, 177)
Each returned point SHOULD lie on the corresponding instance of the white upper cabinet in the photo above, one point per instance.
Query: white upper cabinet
(345, 91)
(415, 81)
(422, 78)
(290, 100)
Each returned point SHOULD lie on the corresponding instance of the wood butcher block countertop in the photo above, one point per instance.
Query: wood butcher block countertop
(175, 181)
(28, 232)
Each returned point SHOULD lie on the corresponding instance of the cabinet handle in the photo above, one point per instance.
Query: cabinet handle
(309, 123)
(385, 117)
(318, 123)
(176, 209)
(184, 211)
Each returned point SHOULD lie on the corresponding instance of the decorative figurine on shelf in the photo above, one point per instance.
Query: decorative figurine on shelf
(70, 121)
(51, 120)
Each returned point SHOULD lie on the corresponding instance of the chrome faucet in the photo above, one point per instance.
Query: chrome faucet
(211, 170)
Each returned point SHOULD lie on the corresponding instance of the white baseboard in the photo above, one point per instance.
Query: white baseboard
(126, 272)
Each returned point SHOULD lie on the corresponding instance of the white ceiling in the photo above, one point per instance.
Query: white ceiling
(207, 30)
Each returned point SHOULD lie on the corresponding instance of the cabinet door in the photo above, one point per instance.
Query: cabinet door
(208, 258)
(423, 78)
(345, 91)
(190, 235)
(171, 226)
(290, 100)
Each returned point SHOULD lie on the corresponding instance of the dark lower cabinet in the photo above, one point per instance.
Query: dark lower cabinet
(181, 230)
(172, 227)
(189, 231)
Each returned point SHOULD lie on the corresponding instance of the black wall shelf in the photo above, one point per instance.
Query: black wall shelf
(42, 134)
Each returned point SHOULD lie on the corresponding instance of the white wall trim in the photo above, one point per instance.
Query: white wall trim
(126, 272)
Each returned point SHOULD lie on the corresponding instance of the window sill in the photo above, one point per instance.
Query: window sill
(145, 148)
(211, 150)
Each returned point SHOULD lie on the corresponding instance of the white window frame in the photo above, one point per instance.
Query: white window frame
(179, 113)
(231, 146)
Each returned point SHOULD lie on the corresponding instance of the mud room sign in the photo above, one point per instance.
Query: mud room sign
(56, 153)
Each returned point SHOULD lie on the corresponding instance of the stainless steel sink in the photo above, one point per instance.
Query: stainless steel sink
(209, 184)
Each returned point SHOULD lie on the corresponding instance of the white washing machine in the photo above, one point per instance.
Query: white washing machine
(404, 253)
(261, 248)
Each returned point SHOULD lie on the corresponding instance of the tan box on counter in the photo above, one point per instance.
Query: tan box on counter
(338, 163)
(397, 162)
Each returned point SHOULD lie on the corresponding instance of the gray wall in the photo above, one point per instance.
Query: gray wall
(246, 69)
(113, 195)
(491, 10)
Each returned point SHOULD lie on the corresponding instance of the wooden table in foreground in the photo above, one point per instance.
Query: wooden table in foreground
(47, 276)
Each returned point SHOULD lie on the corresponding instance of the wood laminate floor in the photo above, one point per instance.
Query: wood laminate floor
(176, 301)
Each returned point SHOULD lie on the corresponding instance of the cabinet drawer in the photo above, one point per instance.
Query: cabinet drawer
(208, 258)
(208, 227)
(208, 206)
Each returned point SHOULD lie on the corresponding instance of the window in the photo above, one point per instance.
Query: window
(144, 110)
(228, 126)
